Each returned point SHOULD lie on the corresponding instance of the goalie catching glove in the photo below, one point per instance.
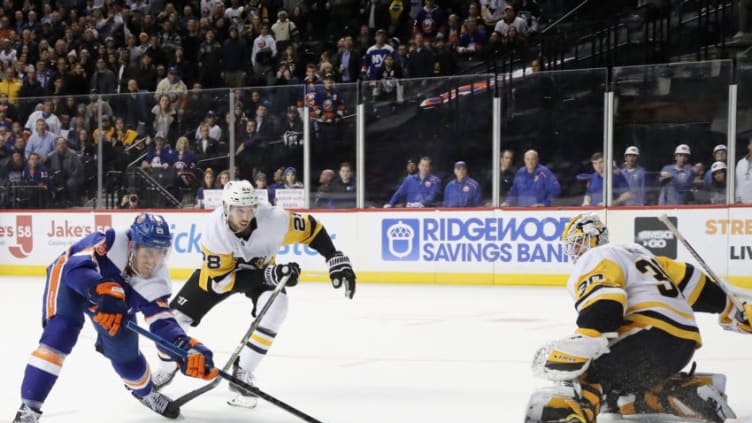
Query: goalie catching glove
(735, 320)
(568, 358)
(199, 362)
(110, 308)
(273, 275)
(341, 273)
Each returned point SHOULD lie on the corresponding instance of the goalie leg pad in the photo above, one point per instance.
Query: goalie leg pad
(700, 396)
(564, 403)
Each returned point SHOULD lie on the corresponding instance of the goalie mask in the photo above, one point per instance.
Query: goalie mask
(583, 232)
(238, 194)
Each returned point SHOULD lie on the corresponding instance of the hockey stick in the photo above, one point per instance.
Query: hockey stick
(132, 325)
(179, 401)
(740, 305)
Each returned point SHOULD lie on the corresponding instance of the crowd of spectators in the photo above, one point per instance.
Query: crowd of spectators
(138, 75)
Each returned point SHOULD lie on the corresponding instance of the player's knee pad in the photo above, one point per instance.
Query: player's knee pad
(557, 404)
(277, 312)
(700, 396)
(61, 333)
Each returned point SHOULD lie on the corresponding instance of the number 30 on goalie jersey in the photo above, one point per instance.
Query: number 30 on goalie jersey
(625, 287)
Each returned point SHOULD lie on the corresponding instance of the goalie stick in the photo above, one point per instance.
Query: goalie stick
(740, 305)
(189, 396)
(132, 325)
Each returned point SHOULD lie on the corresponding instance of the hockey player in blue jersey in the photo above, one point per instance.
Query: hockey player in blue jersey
(109, 276)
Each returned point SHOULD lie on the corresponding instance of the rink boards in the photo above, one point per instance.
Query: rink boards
(453, 247)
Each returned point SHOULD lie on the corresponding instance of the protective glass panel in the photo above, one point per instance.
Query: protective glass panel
(443, 120)
(743, 170)
(670, 125)
(552, 125)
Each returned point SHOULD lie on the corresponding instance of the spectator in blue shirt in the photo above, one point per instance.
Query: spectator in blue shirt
(41, 142)
(161, 156)
(635, 176)
(419, 190)
(594, 193)
(463, 191)
(677, 179)
(534, 185)
(34, 172)
(719, 155)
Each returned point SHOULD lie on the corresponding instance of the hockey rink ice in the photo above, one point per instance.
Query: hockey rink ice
(393, 354)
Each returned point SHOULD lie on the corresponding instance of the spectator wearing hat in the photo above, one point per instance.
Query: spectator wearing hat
(103, 80)
(719, 155)
(716, 189)
(284, 30)
(210, 63)
(431, 21)
(635, 176)
(329, 104)
(292, 137)
(30, 88)
(677, 179)
(511, 19)
(171, 85)
(462, 191)
(374, 57)
(594, 191)
(290, 179)
(419, 190)
(744, 177)
(534, 184)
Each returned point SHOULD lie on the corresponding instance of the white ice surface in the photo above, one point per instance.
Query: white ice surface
(394, 354)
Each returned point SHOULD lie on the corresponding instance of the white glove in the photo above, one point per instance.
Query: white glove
(733, 319)
(568, 358)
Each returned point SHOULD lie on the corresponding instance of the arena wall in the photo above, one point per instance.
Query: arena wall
(453, 247)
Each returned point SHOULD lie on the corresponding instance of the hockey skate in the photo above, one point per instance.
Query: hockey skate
(164, 374)
(27, 414)
(244, 397)
(159, 403)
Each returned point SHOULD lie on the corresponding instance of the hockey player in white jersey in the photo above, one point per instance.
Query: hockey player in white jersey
(239, 243)
(635, 332)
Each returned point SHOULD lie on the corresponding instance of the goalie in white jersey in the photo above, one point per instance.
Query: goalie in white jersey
(239, 243)
(636, 331)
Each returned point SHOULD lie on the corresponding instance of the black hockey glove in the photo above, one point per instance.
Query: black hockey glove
(341, 273)
(273, 274)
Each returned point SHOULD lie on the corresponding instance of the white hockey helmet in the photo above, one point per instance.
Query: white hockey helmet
(238, 194)
(583, 232)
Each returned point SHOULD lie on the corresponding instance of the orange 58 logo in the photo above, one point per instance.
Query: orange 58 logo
(24, 237)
